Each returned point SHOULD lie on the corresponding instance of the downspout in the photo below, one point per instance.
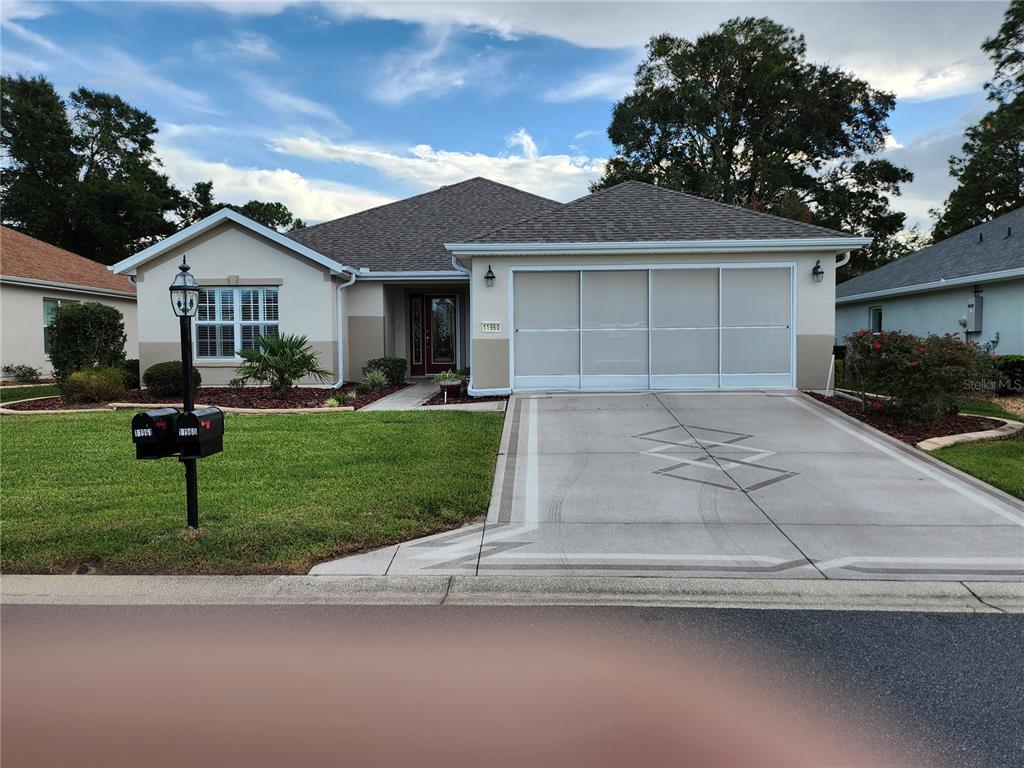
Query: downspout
(341, 332)
(845, 261)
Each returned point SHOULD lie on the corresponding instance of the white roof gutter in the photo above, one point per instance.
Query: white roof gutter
(781, 245)
(935, 285)
(75, 287)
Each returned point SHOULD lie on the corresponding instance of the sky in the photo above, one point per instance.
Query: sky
(335, 107)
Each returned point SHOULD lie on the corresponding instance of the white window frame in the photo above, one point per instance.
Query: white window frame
(871, 318)
(237, 322)
(46, 325)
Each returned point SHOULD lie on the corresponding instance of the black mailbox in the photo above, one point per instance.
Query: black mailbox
(201, 433)
(155, 433)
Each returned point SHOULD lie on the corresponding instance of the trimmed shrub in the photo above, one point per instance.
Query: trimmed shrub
(84, 336)
(24, 373)
(362, 388)
(925, 379)
(375, 378)
(1010, 373)
(132, 379)
(394, 368)
(279, 361)
(164, 379)
(94, 385)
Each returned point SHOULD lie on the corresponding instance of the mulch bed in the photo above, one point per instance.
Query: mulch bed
(887, 422)
(438, 399)
(230, 397)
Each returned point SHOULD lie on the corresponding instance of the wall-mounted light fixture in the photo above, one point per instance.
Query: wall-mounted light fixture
(489, 277)
(818, 273)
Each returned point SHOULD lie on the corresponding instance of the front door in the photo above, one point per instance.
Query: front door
(433, 325)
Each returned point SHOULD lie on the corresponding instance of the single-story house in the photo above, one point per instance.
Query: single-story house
(35, 279)
(634, 286)
(970, 285)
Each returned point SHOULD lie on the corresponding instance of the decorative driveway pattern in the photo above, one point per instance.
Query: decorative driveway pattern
(716, 484)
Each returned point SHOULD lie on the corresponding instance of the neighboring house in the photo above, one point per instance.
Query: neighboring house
(970, 285)
(634, 286)
(35, 279)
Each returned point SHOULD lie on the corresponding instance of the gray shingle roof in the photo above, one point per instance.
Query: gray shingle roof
(959, 256)
(410, 234)
(636, 212)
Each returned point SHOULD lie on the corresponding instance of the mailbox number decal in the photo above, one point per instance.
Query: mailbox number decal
(188, 432)
(143, 432)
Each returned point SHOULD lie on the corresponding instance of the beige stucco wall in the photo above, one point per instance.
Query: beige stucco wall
(230, 255)
(815, 306)
(21, 322)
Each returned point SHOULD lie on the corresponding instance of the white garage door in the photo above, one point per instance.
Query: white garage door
(705, 327)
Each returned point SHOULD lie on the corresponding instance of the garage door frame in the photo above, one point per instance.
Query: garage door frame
(725, 381)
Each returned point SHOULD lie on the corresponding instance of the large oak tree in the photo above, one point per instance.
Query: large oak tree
(990, 170)
(739, 115)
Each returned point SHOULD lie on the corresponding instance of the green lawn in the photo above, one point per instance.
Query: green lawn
(9, 394)
(997, 462)
(981, 407)
(288, 491)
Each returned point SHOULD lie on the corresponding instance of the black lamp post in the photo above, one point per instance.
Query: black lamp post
(185, 302)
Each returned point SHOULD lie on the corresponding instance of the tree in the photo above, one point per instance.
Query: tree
(740, 116)
(123, 199)
(40, 170)
(198, 203)
(990, 170)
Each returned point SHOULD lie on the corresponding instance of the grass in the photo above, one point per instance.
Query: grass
(997, 462)
(981, 407)
(288, 491)
(10, 394)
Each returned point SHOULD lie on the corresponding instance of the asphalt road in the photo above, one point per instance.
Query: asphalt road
(429, 685)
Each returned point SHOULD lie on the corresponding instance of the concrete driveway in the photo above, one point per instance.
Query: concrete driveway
(748, 484)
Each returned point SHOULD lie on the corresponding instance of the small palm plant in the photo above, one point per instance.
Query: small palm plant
(279, 361)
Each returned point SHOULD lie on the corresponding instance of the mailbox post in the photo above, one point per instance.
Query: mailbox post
(185, 301)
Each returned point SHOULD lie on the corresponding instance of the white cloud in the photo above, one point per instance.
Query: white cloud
(111, 68)
(891, 143)
(921, 50)
(310, 199)
(23, 9)
(563, 177)
(587, 134)
(286, 103)
(432, 70)
(240, 45)
(609, 85)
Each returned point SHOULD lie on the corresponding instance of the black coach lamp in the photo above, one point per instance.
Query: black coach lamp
(818, 273)
(185, 301)
(184, 292)
(489, 277)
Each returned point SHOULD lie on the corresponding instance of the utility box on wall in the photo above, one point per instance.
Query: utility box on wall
(973, 317)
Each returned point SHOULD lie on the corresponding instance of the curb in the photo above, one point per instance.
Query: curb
(1009, 427)
(760, 594)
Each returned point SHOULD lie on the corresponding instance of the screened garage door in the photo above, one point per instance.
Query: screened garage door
(705, 327)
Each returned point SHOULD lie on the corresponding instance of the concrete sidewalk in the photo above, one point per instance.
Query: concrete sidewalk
(861, 595)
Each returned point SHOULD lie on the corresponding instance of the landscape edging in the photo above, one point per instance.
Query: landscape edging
(1009, 427)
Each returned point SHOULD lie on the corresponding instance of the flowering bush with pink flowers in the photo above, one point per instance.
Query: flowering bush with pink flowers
(924, 378)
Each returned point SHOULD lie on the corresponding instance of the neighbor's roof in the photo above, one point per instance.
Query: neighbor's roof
(409, 235)
(28, 260)
(983, 251)
(636, 212)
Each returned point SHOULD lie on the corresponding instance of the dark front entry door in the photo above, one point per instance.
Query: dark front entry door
(433, 325)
